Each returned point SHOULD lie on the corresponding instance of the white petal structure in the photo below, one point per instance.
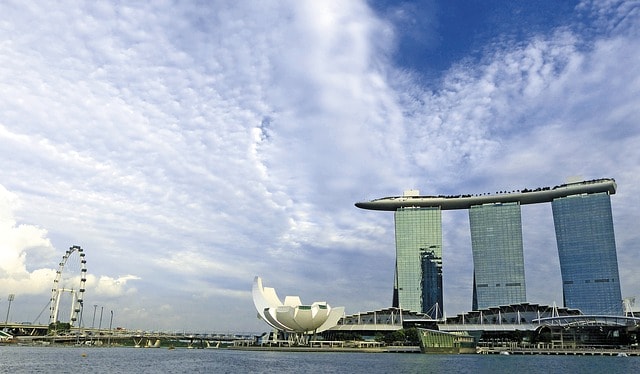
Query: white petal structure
(292, 315)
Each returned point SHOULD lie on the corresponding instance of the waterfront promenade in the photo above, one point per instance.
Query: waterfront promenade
(559, 351)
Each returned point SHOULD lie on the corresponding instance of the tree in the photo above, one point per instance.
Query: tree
(412, 336)
(57, 328)
(395, 337)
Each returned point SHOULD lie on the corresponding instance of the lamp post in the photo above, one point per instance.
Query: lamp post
(110, 323)
(93, 322)
(100, 325)
(11, 297)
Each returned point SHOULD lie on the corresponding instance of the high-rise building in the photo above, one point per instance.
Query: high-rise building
(498, 259)
(418, 276)
(587, 251)
(584, 232)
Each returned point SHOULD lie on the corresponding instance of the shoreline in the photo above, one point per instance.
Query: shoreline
(560, 352)
(408, 349)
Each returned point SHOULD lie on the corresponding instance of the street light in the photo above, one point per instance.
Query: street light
(100, 325)
(110, 322)
(11, 297)
(93, 322)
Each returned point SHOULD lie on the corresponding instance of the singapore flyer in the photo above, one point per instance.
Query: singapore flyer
(68, 288)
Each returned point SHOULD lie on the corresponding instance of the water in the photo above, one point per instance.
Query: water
(15, 359)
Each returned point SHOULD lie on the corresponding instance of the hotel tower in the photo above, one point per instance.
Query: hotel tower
(584, 235)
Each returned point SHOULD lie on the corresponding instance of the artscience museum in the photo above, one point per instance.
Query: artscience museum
(292, 318)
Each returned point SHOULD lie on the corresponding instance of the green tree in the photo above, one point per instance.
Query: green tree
(395, 337)
(412, 336)
(58, 328)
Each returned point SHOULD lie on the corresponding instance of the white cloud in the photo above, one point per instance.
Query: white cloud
(193, 146)
(19, 243)
(106, 286)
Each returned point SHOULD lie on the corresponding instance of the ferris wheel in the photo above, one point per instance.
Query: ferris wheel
(69, 287)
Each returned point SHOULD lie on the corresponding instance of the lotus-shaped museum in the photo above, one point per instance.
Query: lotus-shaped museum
(292, 316)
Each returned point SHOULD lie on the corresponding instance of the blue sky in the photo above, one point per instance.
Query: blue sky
(432, 36)
(189, 146)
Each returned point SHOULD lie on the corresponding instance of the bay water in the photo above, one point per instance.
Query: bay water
(27, 359)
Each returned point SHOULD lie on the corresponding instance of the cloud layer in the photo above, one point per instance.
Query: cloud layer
(189, 147)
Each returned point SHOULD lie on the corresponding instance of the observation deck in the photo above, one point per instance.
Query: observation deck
(525, 196)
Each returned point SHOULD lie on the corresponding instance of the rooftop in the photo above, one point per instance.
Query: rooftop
(524, 196)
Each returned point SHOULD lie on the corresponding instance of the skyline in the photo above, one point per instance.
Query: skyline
(584, 233)
(188, 148)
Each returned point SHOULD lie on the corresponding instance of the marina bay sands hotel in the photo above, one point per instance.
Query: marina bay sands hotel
(584, 236)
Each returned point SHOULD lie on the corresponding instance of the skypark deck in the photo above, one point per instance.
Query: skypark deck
(525, 196)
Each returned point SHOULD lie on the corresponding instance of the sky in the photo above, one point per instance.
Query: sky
(189, 146)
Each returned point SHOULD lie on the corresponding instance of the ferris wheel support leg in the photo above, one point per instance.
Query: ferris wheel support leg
(57, 307)
(73, 307)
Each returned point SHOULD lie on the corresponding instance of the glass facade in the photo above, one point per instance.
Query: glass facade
(498, 259)
(587, 251)
(431, 282)
(418, 278)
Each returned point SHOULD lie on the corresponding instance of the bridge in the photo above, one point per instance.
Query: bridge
(24, 329)
(38, 334)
